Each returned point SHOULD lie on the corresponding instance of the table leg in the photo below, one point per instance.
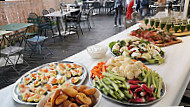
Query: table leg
(58, 27)
(2, 40)
(65, 32)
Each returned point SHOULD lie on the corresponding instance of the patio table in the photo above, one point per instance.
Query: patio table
(3, 35)
(17, 26)
(3, 32)
(59, 15)
(175, 71)
(156, 6)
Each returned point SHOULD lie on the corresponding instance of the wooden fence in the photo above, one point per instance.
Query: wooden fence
(18, 11)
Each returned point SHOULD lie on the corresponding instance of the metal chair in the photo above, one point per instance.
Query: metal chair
(75, 4)
(51, 10)
(52, 23)
(109, 5)
(87, 18)
(73, 16)
(31, 15)
(37, 42)
(85, 6)
(13, 52)
(96, 5)
(74, 25)
(45, 12)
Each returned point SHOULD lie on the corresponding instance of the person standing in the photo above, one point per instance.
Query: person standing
(144, 6)
(137, 5)
(130, 4)
(162, 2)
(118, 10)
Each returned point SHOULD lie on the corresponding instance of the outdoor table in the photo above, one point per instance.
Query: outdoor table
(3, 32)
(17, 26)
(156, 6)
(59, 15)
(162, 14)
(173, 5)
(3, 36)
(175, 71)
(89, 2)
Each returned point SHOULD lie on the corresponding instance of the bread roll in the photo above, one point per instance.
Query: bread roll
(89, 91)
(73, 105)
(81, 88)
(55, 95)
(66, 103)
(60, 99)
(70, 91)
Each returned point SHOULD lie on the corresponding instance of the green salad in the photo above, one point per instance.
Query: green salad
(138, 49)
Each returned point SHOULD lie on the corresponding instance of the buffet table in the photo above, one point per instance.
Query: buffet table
(175, 71)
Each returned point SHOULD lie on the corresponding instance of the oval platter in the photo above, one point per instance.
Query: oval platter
(17, 96)
(163, 92)
(145, 62)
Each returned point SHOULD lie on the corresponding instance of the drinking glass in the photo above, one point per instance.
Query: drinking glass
(168, 26)
(182, 27)
(162, 25)
(146, 21)
(176, 27)
(157, 22)
(188, 27)
(151, 22)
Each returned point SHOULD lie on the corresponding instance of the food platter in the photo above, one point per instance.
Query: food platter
(156, 53)
(145, 88)
(178, 34)
(17, 96)
(163, 92)
(97, 95)
(164, 44)
(134, 104)
(146, 63)
(154, 36)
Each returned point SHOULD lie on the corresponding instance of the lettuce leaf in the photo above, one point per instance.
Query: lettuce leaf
(112, 44)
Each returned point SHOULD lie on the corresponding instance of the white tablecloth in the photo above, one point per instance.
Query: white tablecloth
(59, 14)
(175, 71)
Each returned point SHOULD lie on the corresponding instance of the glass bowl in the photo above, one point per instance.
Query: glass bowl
(97, 51)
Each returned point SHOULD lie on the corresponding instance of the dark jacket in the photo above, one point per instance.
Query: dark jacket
(138, 5)
(117, 3)
(144, 4)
